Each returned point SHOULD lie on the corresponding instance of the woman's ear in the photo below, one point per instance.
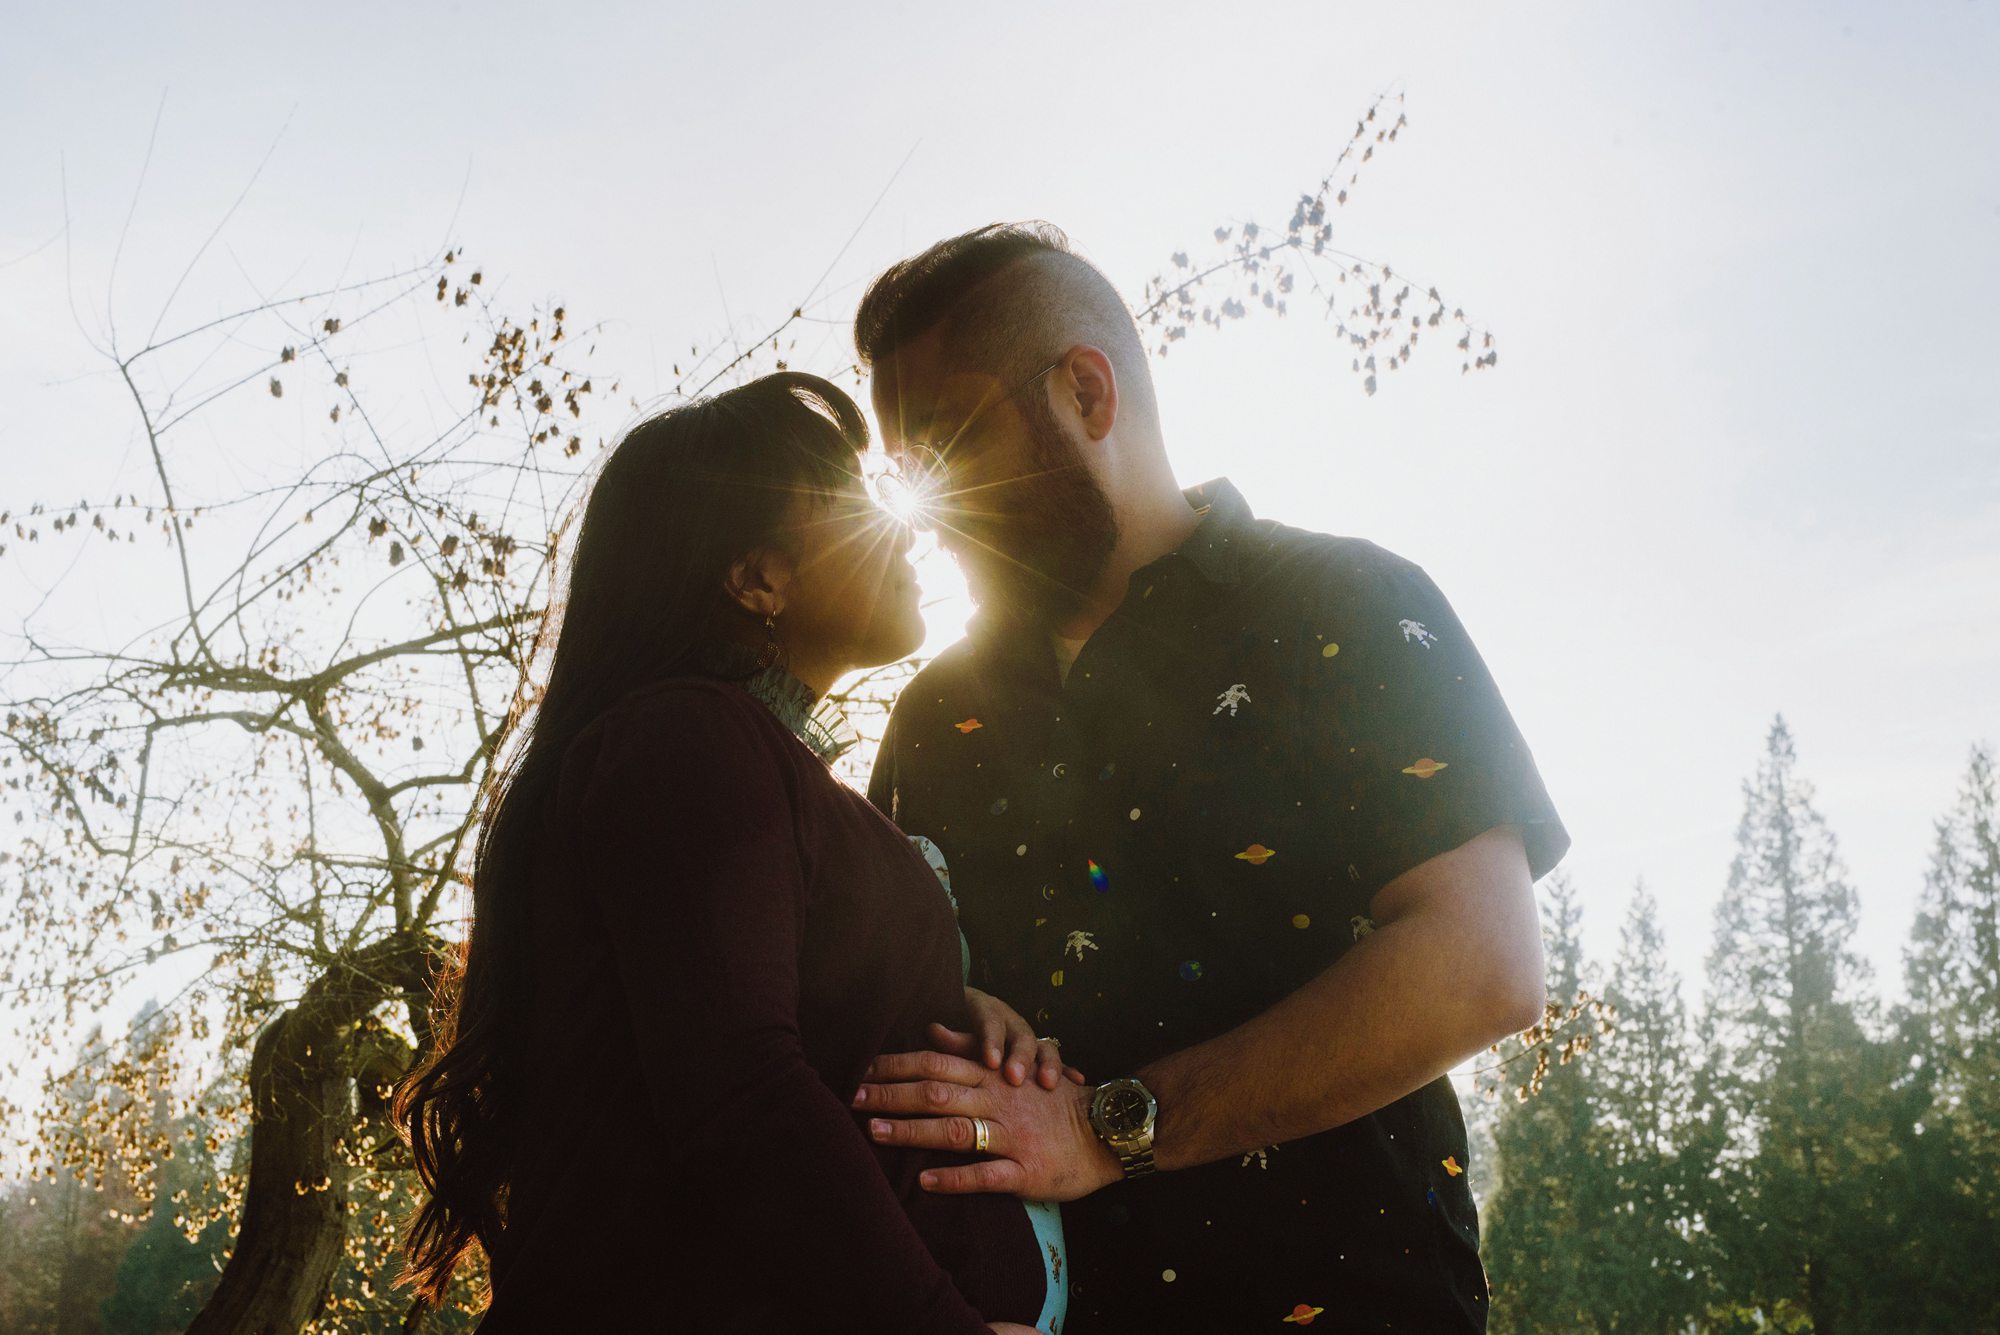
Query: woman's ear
(757, 582)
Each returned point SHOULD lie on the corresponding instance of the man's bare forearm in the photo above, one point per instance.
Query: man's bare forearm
(1411, 1000)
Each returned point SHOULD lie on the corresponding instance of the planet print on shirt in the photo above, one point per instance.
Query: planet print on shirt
(969, 725)
(1425, 767)
(1302, 1315)
(1450, 1162)
(1257, 855)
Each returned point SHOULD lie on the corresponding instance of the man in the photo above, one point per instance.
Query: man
(1233, 810)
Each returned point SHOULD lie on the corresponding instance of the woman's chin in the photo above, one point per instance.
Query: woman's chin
(892, 644)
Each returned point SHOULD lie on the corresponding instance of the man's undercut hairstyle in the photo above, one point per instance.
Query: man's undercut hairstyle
(1009, 298)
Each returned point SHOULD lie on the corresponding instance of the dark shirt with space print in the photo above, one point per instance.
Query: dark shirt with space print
(1272, 726)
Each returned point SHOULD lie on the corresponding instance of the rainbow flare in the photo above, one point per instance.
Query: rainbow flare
(1097, 876)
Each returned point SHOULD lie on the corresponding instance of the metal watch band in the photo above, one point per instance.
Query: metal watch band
(1136, 1163)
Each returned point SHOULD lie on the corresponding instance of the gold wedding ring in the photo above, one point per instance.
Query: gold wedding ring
(982, 1135)
(1056, 1041)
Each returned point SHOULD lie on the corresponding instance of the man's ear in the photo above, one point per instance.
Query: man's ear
(757, 582)
(1086, 374)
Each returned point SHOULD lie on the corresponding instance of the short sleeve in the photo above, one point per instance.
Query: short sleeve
(1410, 741)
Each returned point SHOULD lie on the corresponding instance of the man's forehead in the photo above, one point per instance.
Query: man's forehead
(913, 393)
(904, 391)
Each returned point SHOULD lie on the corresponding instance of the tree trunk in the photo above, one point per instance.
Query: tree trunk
(303, 1103)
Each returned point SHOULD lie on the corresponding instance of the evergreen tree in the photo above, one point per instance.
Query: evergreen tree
(1711, 1164)
(1544, 1242)
(1800, 1214)
(1952, 1027)
(164, 1277)
(165, 1274)
(69, 1227)
(1644, 1097)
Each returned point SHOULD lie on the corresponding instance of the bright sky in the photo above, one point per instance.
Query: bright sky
(1741, 453)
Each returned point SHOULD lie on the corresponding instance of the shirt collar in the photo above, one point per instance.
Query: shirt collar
(1215, 547)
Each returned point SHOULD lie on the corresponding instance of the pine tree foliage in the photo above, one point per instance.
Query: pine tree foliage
(1951, 1026)
(1642, 1080)
(1544, 1239)
(1801, 1078)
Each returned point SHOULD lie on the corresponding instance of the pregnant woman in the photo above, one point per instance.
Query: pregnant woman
(689, 940)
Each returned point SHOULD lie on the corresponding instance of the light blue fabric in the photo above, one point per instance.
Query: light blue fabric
(1047, 1219)
(935, 857)
(822, 727)
(1046, 1216)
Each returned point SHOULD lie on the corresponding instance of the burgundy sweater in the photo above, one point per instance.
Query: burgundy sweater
(725, 936)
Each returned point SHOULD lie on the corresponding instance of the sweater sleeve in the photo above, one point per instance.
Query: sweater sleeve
(685, 833)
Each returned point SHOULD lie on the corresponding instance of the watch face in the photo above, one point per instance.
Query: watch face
(1124, 1111)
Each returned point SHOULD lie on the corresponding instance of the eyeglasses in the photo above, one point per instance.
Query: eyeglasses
(914, 481)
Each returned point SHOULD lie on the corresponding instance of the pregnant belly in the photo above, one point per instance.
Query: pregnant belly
(1005, 1255)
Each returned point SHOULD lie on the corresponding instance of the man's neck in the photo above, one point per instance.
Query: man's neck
(1160, 524)
(1066, 651)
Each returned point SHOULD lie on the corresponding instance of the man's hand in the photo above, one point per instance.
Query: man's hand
(998, 1029)
(1042, 1141)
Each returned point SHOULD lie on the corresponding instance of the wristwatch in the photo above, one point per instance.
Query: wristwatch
(1122, 1113)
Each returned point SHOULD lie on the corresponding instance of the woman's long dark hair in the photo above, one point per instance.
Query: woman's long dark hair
(683, 497)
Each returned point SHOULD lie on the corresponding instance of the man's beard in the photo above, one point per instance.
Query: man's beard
(1038, 558)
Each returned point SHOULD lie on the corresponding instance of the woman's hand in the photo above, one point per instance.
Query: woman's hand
(1040, 1141)
(999, 1031)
